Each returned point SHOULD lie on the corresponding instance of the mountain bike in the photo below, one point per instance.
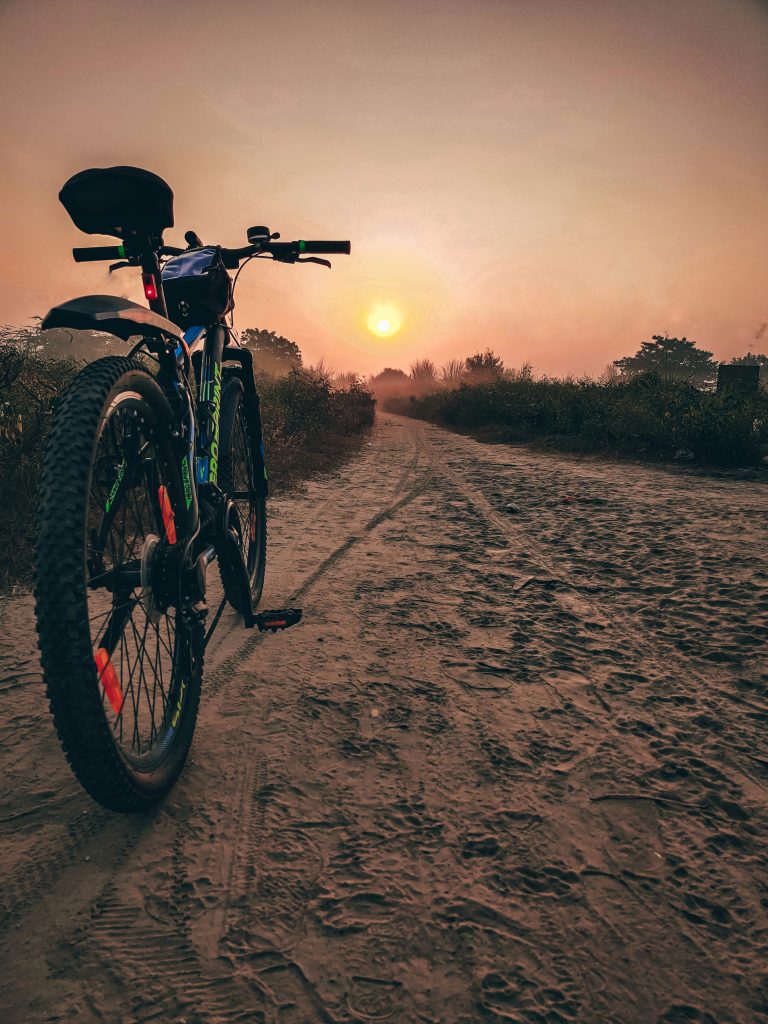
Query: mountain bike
(154, 468)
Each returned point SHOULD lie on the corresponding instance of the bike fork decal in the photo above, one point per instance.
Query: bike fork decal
(179, 704)
(186, 482)
(116, 486)
(214, 464)
(208, 462)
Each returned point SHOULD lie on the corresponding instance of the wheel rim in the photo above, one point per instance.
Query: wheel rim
(140, 651)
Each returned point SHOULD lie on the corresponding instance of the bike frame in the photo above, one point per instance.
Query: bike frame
(198, 424)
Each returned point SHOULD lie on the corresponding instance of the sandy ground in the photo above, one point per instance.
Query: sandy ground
(512, 767)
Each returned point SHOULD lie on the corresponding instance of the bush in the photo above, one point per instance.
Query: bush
(309, 426)
(28, 386)
(645, 416)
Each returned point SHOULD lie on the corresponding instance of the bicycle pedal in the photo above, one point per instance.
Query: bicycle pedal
(281, 618)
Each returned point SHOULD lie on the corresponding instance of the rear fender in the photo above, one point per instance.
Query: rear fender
(113, 315)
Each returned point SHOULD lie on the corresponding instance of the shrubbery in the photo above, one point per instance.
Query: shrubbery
(644, 416)
(308, 426)
(28, 386)
(308, 422)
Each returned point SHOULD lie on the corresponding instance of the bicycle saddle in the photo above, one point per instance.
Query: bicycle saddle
(118, 201)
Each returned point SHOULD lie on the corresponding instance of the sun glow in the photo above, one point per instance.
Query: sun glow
(384, 320)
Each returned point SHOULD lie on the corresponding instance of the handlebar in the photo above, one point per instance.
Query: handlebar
(342, 248)
(285, 252)
(91, 253)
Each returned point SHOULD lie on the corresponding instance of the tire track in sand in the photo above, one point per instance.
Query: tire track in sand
(155, 951)
(226, 669)
(627, 626)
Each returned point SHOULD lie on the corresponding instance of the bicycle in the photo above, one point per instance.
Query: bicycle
(154, 468)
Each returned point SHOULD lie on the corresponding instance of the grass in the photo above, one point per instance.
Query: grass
(310, 426)
(645, 417)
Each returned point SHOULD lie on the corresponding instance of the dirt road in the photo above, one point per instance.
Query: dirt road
(512, 767)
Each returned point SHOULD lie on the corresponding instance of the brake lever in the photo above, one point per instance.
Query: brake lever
(119, 266)
(313, 259)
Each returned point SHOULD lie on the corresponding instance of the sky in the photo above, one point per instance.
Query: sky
(555, 179)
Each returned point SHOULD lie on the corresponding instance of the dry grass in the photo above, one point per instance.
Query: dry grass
(310, 426)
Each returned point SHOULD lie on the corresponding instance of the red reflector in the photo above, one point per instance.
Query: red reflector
(108, 679)
(150, 286)
(167, 512)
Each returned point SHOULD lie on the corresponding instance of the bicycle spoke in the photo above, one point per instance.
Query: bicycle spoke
(144, 652)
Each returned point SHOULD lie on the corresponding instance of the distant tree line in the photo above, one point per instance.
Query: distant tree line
(670, 359)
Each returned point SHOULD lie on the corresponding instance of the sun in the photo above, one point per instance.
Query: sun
(384, 320)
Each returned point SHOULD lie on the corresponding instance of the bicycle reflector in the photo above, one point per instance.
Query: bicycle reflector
(166, 510)
(108, 679)
(150, 286)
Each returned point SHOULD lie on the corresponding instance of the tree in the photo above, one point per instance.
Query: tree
(452, 372)
(424, 372)
(754, 359)
(346, 379)
(389, 378)
(389, 382)
(671, 359)
(271, 352)
(484, 366)
(751, 359)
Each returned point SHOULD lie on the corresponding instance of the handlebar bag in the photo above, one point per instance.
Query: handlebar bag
(198, 289)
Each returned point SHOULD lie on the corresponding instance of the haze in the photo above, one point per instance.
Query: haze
(556, 180)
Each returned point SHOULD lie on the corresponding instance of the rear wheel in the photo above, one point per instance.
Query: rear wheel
(121, 651)
(237, 478)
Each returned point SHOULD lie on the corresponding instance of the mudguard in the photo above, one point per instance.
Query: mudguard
(113, 315)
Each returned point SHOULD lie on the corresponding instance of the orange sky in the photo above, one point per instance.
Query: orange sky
(558, 179)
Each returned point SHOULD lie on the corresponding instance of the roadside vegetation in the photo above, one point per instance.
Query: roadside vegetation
(661, 404)
(311, 422)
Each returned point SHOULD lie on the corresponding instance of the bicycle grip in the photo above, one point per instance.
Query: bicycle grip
(327, 247)
(91, 253)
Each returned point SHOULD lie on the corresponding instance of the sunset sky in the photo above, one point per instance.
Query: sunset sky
(558, 179)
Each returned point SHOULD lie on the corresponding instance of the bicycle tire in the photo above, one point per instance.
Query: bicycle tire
(237, 474)
(119, 779)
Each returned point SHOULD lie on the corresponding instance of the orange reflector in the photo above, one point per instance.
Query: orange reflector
(168, 520)
(108, 679)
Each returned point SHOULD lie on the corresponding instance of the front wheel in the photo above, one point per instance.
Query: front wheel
(239, 468)
(121, 653)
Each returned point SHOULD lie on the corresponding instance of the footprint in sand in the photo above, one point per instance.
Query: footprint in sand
(684, 1013)
(512, 996)
(633, 841)
(548, 881)
(478, 845)
(351, 912)
(374, 998)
